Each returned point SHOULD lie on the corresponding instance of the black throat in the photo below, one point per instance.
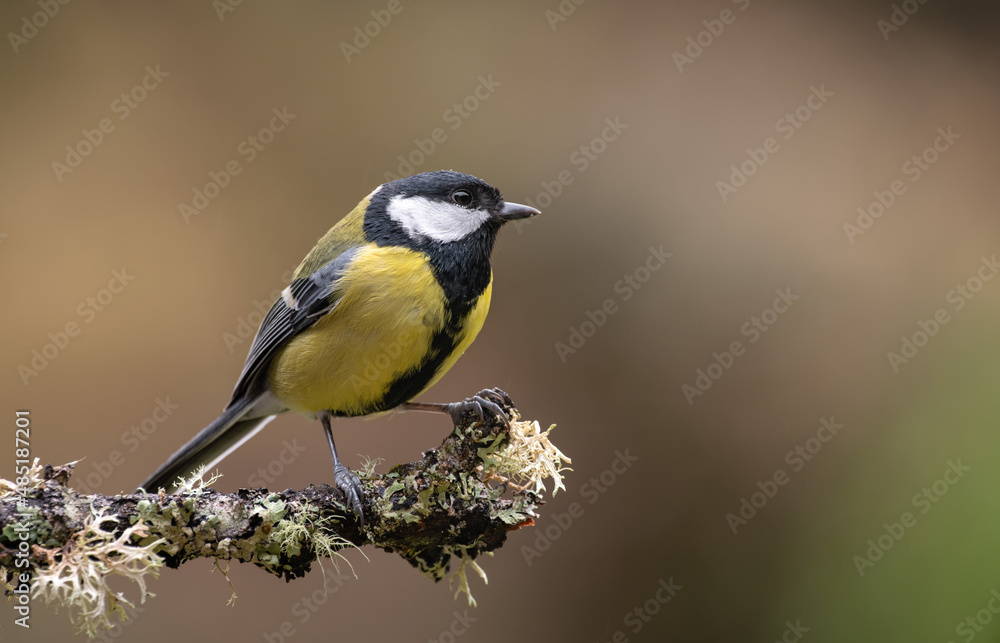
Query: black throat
(462, 268)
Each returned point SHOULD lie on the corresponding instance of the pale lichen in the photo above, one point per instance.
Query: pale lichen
(29, 481)
(520, 459)
(526, 459)
(196, 483)
(367, 470)
(225, 574)
(461, 578)
(460, 501)
(303, 529)
(75, 575)
(7, 577)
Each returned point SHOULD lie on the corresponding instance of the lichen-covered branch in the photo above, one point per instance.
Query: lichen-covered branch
(460, 499)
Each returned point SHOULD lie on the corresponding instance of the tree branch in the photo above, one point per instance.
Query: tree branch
(460, 499)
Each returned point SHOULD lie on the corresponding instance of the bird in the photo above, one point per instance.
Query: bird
(376, 313)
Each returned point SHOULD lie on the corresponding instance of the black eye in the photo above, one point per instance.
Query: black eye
(461, 197)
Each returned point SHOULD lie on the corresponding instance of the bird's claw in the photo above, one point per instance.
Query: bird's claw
(348, 482)
(488, 400)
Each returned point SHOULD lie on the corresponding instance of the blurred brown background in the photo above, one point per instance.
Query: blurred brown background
(864, 99)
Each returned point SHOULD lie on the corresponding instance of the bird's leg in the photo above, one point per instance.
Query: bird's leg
(344, 478)
(487, 399)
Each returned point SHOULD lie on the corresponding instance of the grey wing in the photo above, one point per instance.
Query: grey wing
(300, 306)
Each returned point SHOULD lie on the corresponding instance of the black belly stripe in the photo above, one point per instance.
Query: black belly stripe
(461, 269)
(408, 386)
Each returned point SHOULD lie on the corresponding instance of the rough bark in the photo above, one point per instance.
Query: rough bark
(459, 499)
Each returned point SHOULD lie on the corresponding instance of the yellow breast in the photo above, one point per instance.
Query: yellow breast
(380, 333)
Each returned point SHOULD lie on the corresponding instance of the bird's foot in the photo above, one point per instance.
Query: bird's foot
(348, 482)
(487, 400)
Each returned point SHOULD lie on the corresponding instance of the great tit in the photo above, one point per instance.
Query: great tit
(384, 304)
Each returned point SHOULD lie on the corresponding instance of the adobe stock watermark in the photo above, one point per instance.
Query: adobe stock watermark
(94, 471)
(117, 628)
(793, 632)
(637, 618)
(898, 17)
(249, 148)
(562, 12)
(625, 288)
(366, 33)
(270, 472)
(958, 297)
(38, 20)
(123, 106)
(924, 500)
(697, 44)
(786, 126)
(580, 159)
(591, 491)
(380, 369)
(87, 311)
(754, 329)
(21, 529)
(970, 626)
(454, 116)
(914, 168)
(247, 325)
(222, 7)
(459, 625)
(796, 458)
(307, 607)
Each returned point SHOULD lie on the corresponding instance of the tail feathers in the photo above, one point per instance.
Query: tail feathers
(217, 440)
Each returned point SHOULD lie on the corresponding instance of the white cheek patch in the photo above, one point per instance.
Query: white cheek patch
(437, 220)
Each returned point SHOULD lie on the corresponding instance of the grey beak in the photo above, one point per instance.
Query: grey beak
(513, 211)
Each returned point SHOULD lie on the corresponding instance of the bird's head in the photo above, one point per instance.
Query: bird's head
(441, 207)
